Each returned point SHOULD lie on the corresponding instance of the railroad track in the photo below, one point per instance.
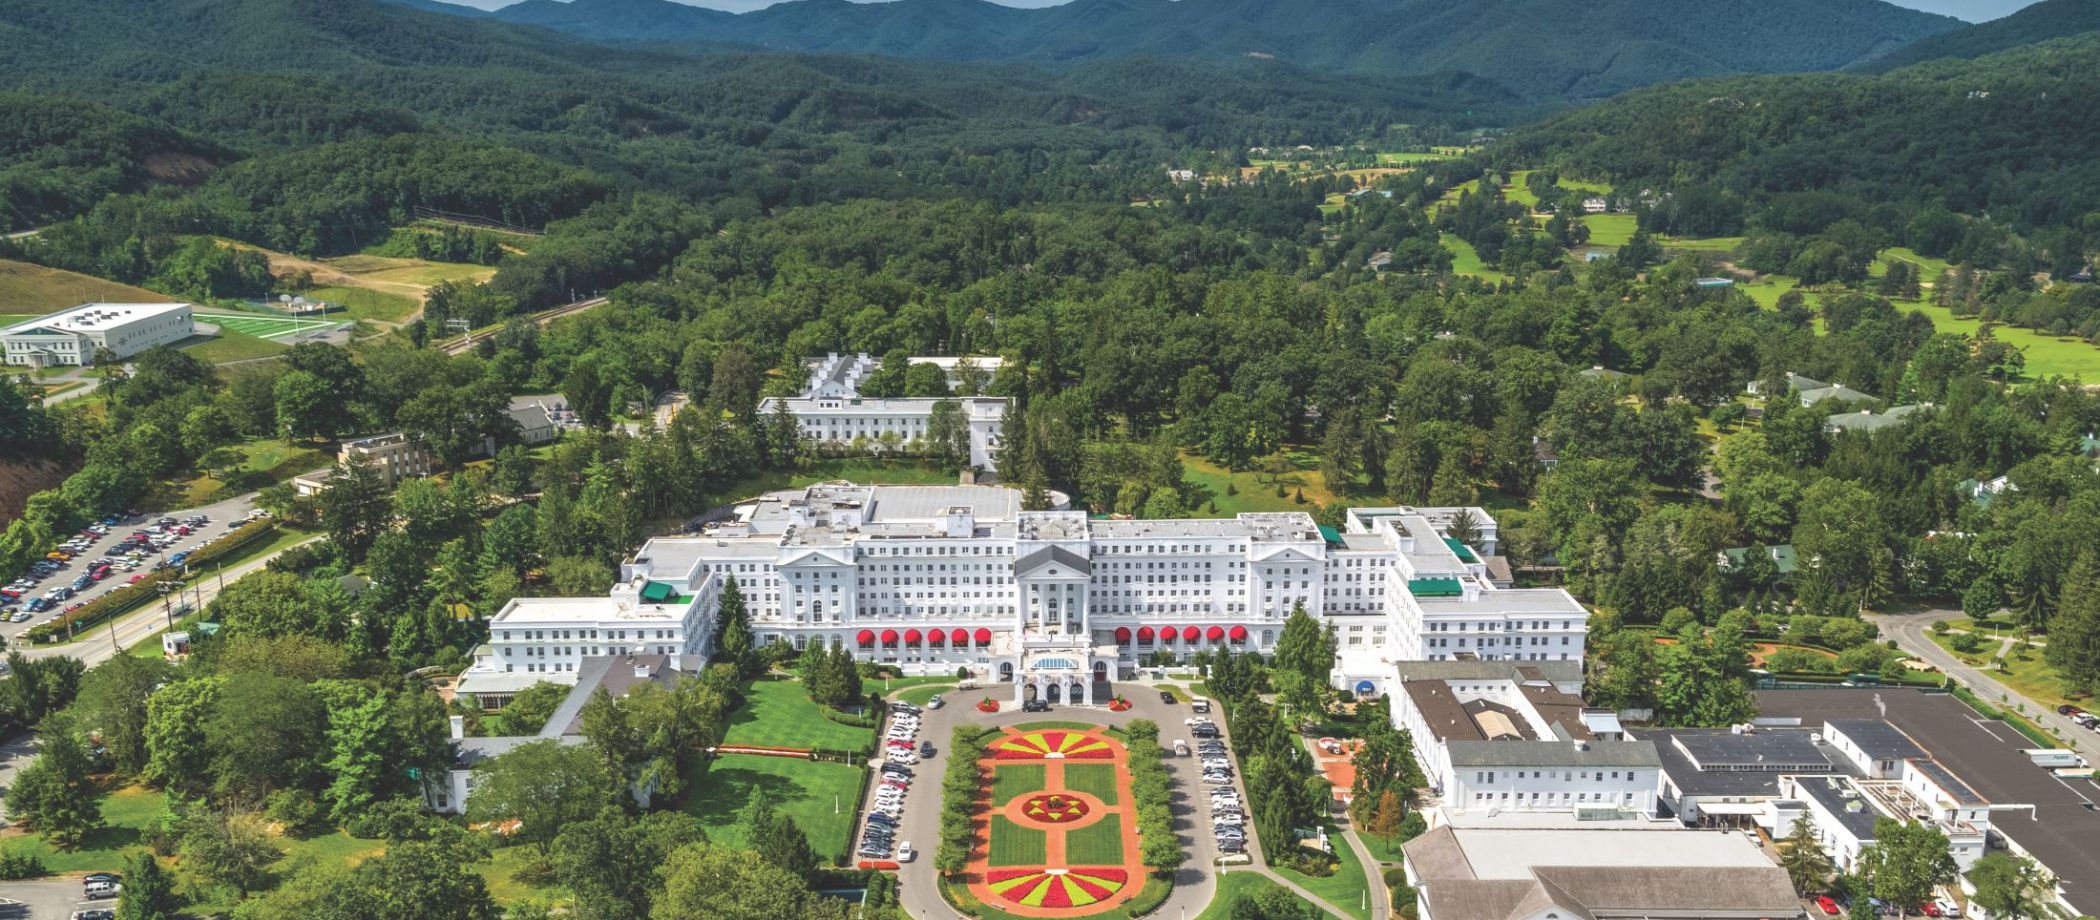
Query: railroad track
(541, 318)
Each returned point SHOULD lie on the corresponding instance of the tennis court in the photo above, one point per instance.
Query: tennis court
(265, 327)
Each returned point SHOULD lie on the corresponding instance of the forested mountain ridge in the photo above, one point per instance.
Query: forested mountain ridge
(767, 127)
(2040, 22)
(1538, 47)
(2008, 136)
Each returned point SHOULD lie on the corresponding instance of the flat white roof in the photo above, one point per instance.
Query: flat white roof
(95, 317)
(1510, 853)
(526, 610)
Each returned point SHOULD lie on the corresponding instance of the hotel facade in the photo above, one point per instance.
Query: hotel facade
(934, 579)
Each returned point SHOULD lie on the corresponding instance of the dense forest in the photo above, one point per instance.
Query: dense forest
(1539, 49)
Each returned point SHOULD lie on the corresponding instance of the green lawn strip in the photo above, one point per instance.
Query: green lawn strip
(229, 345)
(1095, 779)
(1381, 850)
(872, 472)
(2046, 355)
(1344, 889)
(1097, 844)
(363, 303)
(1234, 887)
(1613, 230)
(1014, 845)
(500, 873)
(895, 684)
(1179, 694)
(819, 796)
(917, 696)
(1053, 725)
(1011, 780)
(777, 713)
(1229, 493)
(1466, 261)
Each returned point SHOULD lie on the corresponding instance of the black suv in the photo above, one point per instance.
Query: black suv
(1036, 706)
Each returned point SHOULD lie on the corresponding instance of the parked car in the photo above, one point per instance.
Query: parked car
(935, 702)
(95, 913)
(1036, 706)
(925, 749)
(1167, 697)
(2068, 709)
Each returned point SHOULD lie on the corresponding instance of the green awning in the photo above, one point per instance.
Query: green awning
(656, 592)
(1435, 587)
(1465, 553)
(1331, 535)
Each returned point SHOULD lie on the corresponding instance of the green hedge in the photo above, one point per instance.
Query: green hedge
(132, 596)
(1151, 897)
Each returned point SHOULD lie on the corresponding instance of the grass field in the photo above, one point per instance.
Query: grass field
(1097, 844)
(1095, 779)
(2047, 355)
(36, 290)
(265, 461)
(1612, 230)
(1717, 244)
(1344, 889)
(1014, 845)
(263, 326)
(917, 696)
(1255, 491)
(2031, 676)
(1410, 159)
(1465, 260)
(819, 796)
(364, 303)
(1234, 887)
(776, 713)
(1011, 780)
(229, 345)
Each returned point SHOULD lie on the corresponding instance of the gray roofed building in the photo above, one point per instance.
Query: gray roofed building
(1837, 391)
(1594, 874)
(1557, 672)
(1554, 754)
(1868, 420)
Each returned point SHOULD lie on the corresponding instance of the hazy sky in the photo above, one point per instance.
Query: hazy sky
(1971, 10)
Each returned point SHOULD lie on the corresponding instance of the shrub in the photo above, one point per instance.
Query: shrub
(297, 810)
(1967, 643)
(19, 866)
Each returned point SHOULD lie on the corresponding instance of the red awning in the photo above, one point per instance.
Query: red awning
(889, 637)
(1122, 634)
(1144, 634)
(867, 637)
(935, 637)
(1167, 633)
(1214, 633)
(1238, 633)
(911, 637)
(1190, 633)
(984, 636)
(960, 636)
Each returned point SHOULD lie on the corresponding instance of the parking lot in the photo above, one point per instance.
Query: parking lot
(46, 899)
(220, 516)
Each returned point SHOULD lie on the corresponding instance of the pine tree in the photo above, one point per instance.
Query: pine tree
(149, 891)
(733, 640)
(1801, 855)
(2074, 632)
(53, 795)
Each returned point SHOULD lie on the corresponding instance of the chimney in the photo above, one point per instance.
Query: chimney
(459, 728)
(641, 670)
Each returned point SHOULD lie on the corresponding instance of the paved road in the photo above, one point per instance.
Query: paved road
(221, 514)
(14, 755)
(1912, 632)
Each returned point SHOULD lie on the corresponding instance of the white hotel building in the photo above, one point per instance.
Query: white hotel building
(832, 412)
(937, 578)
(71, 337)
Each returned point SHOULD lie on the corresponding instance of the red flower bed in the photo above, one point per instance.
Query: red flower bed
(1118, 705)
(1010, 872)
(1055, 808)
(881, 864)
(1095, 754)
(987, 705)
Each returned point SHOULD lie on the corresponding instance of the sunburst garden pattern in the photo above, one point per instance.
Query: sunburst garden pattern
(1057, 888)
(1053, 745)
(1049, 849)
(1056, 808)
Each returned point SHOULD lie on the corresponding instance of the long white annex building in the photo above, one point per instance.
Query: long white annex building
(832, 412)
(933, 579)
(72, 336)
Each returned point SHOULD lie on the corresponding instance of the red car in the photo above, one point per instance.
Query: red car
(1827, 905)
(1929, 909)
(135, 579)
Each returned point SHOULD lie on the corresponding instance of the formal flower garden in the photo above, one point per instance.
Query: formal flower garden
(1056, 888)
(1053, 745)
(1056, 808)
(1060, 839)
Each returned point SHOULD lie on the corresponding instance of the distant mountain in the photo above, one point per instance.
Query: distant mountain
(2038, 23)
(1537, 47)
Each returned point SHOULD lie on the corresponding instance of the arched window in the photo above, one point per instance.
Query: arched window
(1268, 637)
(801, 642)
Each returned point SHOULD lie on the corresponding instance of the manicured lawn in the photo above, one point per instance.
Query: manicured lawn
(1465, 260)
(917, 696)
(2047, 355)
(1612, 230)
(1344, 889)
(1095, 779)
(1251, 490)
(819, 796)
(895, 685)
(1410, 159)
(1719, 244)
(362, 303)
(1052, 725)
(1097, 844)
(776, 713)
(1011, 780)
(1014, 845)
(263, 325)
(230, 345)
(1179, 694)
(2031, 677)
(1234, 887)
(1380, 849)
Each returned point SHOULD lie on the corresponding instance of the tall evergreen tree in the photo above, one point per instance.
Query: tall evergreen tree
(734, 644)
(1801, 854)
(149, 890)
(2074, 632)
